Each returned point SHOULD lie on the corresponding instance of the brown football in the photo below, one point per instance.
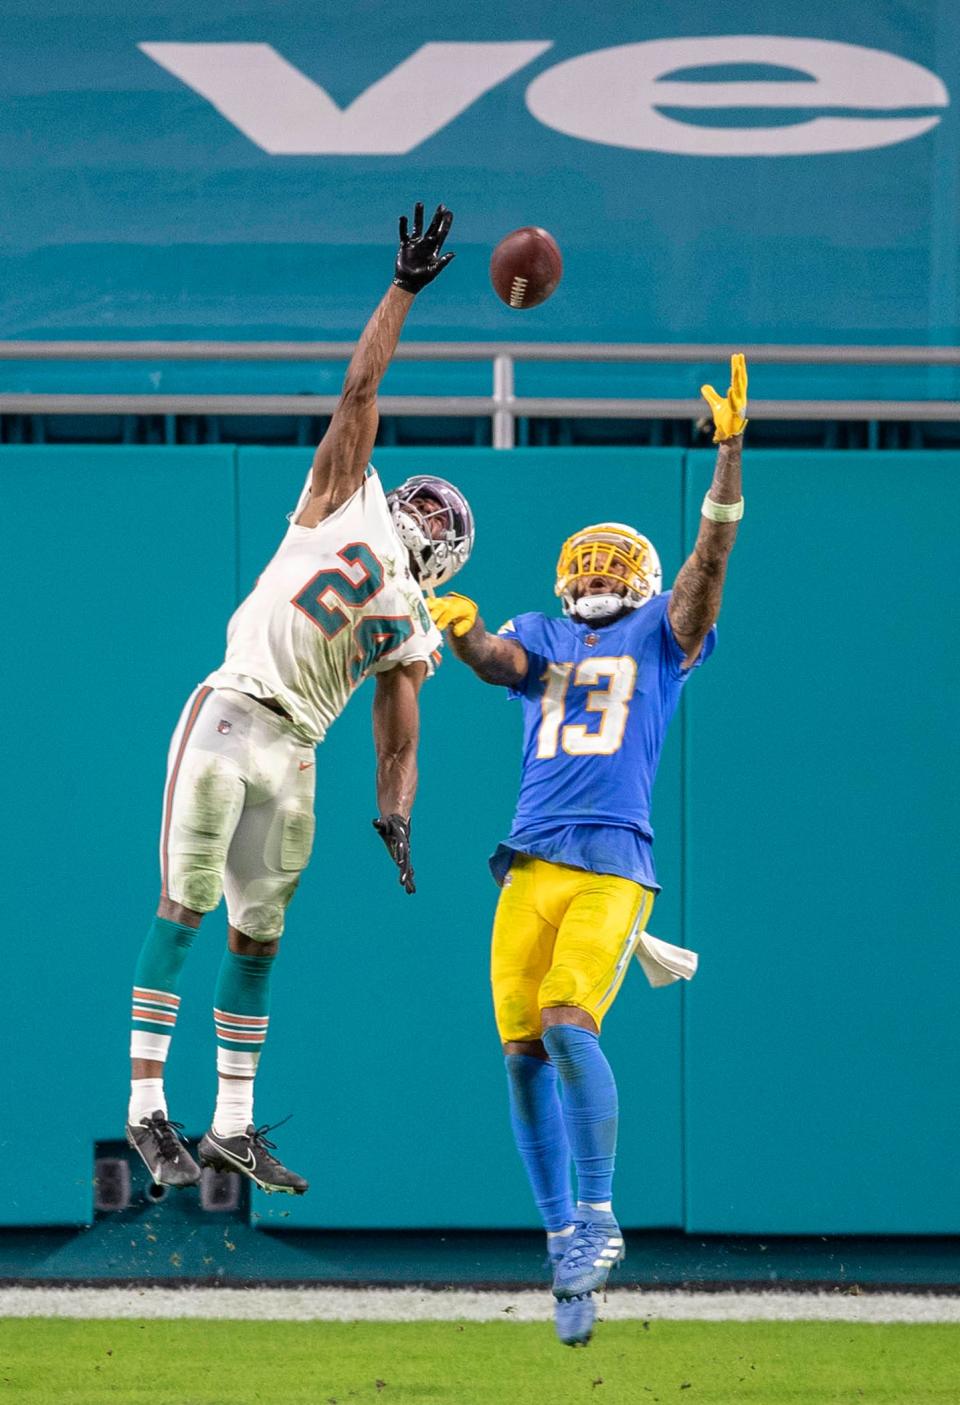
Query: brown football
(526, 267)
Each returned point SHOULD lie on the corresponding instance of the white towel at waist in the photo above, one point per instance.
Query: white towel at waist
(662, 963)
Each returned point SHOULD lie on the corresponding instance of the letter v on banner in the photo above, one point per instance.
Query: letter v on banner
(285, 113)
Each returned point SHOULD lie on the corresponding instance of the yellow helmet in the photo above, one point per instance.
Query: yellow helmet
(608, 548)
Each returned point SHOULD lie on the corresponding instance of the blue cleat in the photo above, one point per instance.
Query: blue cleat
(573, 1317)
(557, 1246)
(595, 1247)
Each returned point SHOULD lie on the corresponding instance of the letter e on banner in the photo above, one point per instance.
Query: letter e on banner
(612, 96)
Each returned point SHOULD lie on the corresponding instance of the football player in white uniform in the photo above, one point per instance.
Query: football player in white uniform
(341, 599)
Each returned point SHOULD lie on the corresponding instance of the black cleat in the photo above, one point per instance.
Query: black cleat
(158, 1143)
(249, 1154)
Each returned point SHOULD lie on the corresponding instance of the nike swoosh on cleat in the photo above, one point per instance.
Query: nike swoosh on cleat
(247, 1163)
(305, 765)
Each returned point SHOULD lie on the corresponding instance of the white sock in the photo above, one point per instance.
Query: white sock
(559, 1233)
(603, 1205)
(234, 1111)
(146, 1097)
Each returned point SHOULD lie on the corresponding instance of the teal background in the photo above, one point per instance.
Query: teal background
(822, 1047)
(806, 816)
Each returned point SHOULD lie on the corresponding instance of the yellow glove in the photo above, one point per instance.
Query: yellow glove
(728, 410)
(453, 611)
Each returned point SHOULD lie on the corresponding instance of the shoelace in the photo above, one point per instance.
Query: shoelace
(167, 1135)
(587, 1240)
(259, 1140)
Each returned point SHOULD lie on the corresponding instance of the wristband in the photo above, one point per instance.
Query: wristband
(722, 511)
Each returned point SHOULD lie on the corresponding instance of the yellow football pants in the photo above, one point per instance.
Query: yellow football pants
(561, 936)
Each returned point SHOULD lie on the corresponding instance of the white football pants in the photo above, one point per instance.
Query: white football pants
(237, 811)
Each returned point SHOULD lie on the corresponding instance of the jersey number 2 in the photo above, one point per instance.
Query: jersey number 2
(611, 682)
(322, 598)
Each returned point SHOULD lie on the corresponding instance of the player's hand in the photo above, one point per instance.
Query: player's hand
(394, 830)
(418, 258)
(728, 410)
(453, 611)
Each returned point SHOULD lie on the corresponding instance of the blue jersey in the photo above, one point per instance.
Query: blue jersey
(596, 704)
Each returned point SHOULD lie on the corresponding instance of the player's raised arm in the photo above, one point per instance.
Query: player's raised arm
(396, 732)
(499, 661)
(698, 588)
(344, 451)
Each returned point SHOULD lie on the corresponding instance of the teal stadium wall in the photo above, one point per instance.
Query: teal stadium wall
(806, 815)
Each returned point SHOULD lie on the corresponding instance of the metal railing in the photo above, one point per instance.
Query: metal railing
(502, 406)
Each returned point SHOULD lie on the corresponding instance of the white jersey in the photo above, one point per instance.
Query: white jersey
(336, 603)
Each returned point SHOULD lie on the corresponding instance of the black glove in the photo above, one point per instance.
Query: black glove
(394, 830)
(417, 258)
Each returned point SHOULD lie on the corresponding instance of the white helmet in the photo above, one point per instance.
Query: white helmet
(435, 524)
(594, 551)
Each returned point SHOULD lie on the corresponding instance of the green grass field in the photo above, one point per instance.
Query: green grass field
(292, 1363)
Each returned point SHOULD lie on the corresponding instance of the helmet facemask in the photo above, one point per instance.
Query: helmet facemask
(434, 522)
(607, 549)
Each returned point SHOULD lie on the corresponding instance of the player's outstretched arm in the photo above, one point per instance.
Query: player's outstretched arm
(495, 660)
(698, 588)
(396, 732)
(344, 451)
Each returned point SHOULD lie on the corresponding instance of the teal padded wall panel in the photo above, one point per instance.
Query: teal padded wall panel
(822, 1046)
(118, 575)
(382, 1040)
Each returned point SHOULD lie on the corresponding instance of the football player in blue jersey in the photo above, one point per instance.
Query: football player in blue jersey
(598, 688)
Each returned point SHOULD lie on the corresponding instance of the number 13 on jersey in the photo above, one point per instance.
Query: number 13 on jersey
(611, 682)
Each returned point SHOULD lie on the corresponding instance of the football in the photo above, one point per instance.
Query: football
(526, 267)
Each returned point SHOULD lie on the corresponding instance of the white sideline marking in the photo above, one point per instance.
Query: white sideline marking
(414, 1305)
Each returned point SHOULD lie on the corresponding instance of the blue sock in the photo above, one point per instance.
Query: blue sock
(538, 1131)
(589, 1107)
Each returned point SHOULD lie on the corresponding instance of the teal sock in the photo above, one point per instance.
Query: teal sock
(241, 1012)
(156, 982)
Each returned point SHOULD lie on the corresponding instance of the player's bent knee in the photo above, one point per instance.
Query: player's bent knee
(258, 907)
(200, 889)
(209, 801)
(172, 911)
(243, 944)
(553, 1016)
(533, 1048)
(263, 923)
